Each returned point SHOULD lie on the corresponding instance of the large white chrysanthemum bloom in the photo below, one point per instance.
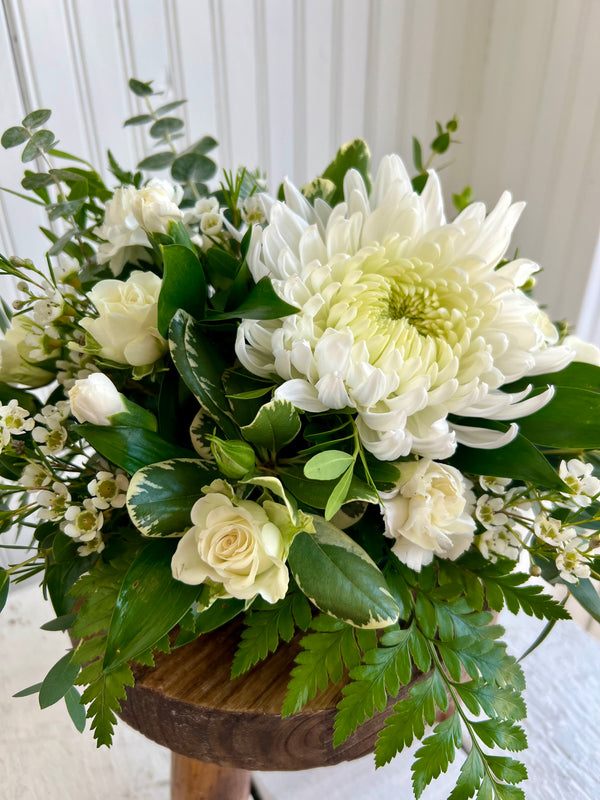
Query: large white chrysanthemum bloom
(404, 318)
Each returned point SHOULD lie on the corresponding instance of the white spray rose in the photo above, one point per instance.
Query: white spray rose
(133, 213)
(234, 544)
(95, 399)
(429, 513)
(127, 326)
(15, 355)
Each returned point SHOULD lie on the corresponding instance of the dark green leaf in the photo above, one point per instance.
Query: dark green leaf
(570, 420)
(75, 708)
(36, 118)
(261, 302)
(140, 88)
(161, 496)
(501, 733)
(204, 145)
(507, 769)
(193, 167)
(585, 594)
(471, 774)
(183, 285)
(34, 689)
(67, 209)
(14, 137)
(340, 579)
(417, 154)
(157, 161)
(58, 681)
(41, 141)
(220, 612)
(353, 155)
(4, 587)
(141, 119)
(441, 143)
(339, 494)
(419, 181)
(436, 753)
(169, 107)
(60, 623)
(36, 180)
(276, 424)
(164, 126)
(150, 603)
(130, 448)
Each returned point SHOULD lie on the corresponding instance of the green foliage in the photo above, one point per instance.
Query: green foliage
(183, 285)
(266, 625)
(570, 420)
(4, 587)
(439, 145)
(130, 448)
(352, 155)
(328, 465)
(276, 424)
(333, 646)
(436, 753)
(58, 681)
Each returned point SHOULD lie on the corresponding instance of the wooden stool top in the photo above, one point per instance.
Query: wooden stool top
(188, 703)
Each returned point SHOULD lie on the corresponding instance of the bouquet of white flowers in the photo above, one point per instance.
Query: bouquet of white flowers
(331, 411)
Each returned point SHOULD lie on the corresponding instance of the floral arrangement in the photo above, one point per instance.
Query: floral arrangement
(333, 413)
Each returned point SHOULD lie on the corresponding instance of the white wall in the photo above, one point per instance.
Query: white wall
(282, 83)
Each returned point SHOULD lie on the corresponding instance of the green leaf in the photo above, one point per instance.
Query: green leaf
(417, 154)
(496, 701)
(319, 188)
(14, 137)
(261, 302)
(41, 141)
(500, 733)
(157, 161)
(220, 612)
(36, 118)
(4, 587)
(150, 603)
(141, 119)
(204, 145)
(58, 681)
(169, 107)
(328, 465)
(353, 155)
(66, 209)
(201, 368)
(436, 753)
(75, 708)
(160, 496)
(340, 579)
(130, 448)
(276, 424)
(183, 285)
(193, 167)
(519, 460)
(587, 596)
(507, 769)
(62, 623)
(316, 494)
(140, 88)
(471, 774)
(339, 495)
(570, 420)
(267, 625)
(441, 143)
(36, 180)
(165, 126)
(34, 689)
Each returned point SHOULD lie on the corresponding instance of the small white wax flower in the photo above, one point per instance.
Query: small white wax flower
(126, 328)
(498, 542)
(211, 223)
(580, 480)
(14, 420)
(95, 545)
(54, 502)
(428, 513)
(108, 490)
(253, 212)
(66, 269)
(571, 563)
(35, 476)
(494, 485)
(83, 524)
(550, 530)
(234, 544)
(489, 511)
(95, 399)
(51, 437)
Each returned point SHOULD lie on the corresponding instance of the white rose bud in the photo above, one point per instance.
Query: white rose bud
(429, 513)
(95, 399)
(235, 545)
(127, 326)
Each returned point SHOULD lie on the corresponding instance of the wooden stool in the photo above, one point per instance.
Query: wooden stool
(218, 729)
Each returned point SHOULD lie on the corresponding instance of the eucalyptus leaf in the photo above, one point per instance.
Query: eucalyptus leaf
(60, 623)
(36, 118)
(160, 496)
(130, 448)
(150, 603)
(140, 88)
(41, 141)
(169, 107)
(157, 161)
(328, 465)
(201, 368)
(183, 285)
(65, 209)
(33, 689)
(75, 708)
(165, 126)
(276, 424)
(58, 681)
(13, 137)
(193, 167)
(141, 119)
(36, 180)
(340, 578)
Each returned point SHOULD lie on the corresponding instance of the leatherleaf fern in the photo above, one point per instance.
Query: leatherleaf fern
(467, 686)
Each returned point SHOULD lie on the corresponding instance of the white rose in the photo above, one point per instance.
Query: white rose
(235, 545)
(95, 399)
(429, 513)
(126, 328)
(586, 352)
(15, 354)
(133, 213)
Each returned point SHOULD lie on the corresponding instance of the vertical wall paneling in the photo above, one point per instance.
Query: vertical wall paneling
(175, 58)
(221, 85)
(352, 89)
(300, 91)
(262, 83)
(317, 66)
(279, 88)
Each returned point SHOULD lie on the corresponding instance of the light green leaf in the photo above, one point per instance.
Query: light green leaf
(338, 496)
(316, 494)
(130, 448)
(340, 579)
(275, 486)
(276, 424)
(183, 285)
(160, 496)
(150, 603)
(201, 368)
(328, 465)
(58, 681)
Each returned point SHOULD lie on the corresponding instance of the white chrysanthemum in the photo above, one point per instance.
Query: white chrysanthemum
(404, 318)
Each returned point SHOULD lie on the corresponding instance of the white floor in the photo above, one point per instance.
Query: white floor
(42, 757)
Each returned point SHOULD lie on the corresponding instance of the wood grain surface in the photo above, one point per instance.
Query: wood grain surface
(194, 780)
(189, 704)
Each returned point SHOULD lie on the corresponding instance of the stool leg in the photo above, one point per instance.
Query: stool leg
(195, 780)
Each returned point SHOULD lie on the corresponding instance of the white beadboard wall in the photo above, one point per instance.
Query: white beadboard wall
(281, 83)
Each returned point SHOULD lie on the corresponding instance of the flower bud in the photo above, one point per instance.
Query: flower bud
(235, 458)
(95, 399)
(535, 571)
